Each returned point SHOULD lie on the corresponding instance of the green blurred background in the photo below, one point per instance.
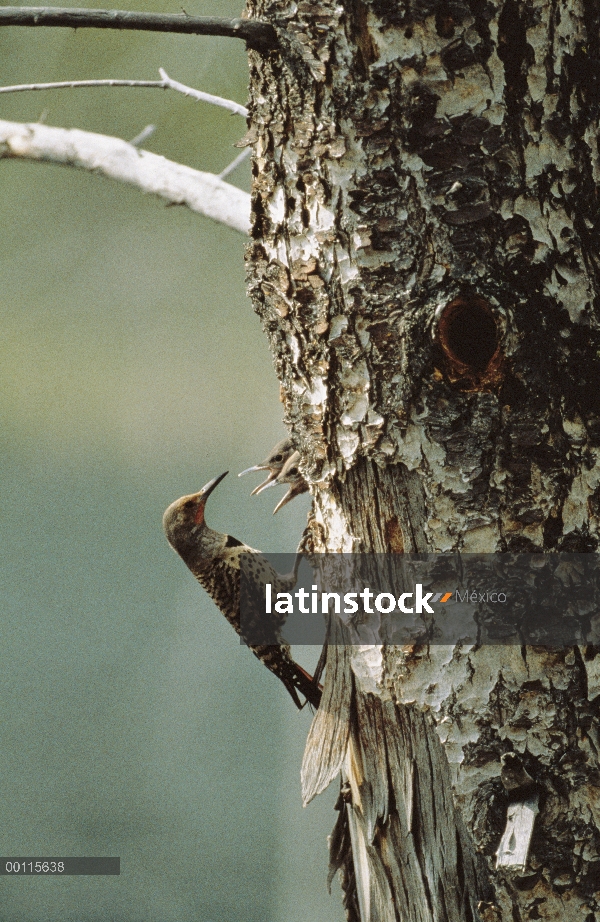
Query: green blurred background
(134, 370)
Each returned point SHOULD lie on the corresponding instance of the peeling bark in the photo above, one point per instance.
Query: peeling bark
(425, 263)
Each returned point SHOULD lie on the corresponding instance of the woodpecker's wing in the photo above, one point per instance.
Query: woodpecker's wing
(257, 626)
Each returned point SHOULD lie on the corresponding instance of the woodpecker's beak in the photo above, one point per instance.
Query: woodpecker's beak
(257, 467)
(294, 490)
(209, 487)
(269, 482)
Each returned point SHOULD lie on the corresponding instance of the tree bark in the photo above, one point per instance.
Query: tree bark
(425, 264)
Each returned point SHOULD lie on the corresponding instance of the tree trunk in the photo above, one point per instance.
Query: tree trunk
(425, 262)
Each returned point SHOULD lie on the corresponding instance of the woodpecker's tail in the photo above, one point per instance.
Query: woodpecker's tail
(298, 680)
(278, 659)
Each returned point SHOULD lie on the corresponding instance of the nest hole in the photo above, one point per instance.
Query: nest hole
(468, 334)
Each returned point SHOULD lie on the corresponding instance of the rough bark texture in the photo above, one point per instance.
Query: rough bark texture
(425, 263)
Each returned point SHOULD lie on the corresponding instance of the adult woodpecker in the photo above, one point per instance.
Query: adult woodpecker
(215, 561)
(273, 463)
(289, 475)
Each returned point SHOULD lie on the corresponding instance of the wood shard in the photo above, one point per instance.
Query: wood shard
(327, 741)
(514, 844)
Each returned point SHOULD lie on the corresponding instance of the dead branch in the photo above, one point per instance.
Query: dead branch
(258, 35)
(203, 193)
(165, 83)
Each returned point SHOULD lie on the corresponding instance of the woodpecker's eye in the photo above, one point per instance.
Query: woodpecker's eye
(190, 504)
(293, 471)
(277, 458)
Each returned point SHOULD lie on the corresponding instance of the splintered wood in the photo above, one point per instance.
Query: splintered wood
(514, 844)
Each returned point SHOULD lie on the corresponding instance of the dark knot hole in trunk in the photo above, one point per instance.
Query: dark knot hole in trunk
(469, 335)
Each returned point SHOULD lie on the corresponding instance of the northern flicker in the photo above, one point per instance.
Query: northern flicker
(273, 463)
(291, 476)
(214, 559)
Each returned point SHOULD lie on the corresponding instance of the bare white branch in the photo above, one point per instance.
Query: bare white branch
(144, 134)
(235, 163)
(80, 84)
(204, 193)
(165, 83)
(202, 97)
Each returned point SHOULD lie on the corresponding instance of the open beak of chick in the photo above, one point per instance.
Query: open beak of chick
(273, 463)
(260, 467)
(291, 477)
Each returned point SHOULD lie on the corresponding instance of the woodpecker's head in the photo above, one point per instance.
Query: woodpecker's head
(183, 521)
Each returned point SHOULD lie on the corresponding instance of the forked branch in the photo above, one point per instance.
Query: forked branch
(165, 83)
